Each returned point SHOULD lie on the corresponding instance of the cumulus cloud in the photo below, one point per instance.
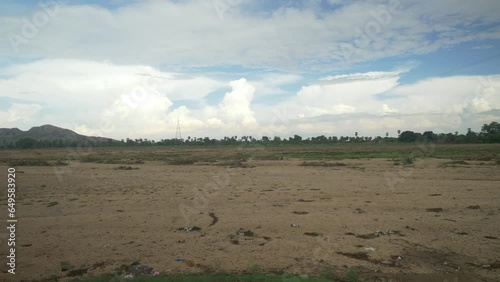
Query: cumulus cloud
(354, 101)
(235, 106)
(388, 110)
(101, 98)
(119, 101)
(19, 114)
(98, 97)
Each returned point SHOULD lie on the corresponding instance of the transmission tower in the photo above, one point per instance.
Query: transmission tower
(178, 135)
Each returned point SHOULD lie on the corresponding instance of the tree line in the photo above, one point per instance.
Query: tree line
(490, 133)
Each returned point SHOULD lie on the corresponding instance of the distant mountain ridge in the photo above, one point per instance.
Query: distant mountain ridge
(48, 132)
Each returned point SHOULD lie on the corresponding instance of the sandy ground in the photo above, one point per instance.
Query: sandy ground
(106, 217)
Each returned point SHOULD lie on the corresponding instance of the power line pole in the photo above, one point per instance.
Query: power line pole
(178, 135)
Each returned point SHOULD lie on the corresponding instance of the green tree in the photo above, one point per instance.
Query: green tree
(471, 136)
(491, 132)
(297, 139)
(407, 136)
(26, 143)
(429, 136)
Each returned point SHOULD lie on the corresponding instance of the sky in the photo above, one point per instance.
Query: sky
(137, 69)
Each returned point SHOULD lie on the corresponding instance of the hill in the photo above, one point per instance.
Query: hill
(48, 133)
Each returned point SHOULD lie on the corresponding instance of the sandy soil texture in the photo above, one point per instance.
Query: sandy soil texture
(384, 219)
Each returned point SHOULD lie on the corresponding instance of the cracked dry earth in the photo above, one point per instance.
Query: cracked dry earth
(425, 222)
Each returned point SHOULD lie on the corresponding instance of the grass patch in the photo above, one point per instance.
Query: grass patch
(454, 163)
(313, 234)
(325, 164)
(233, 164)
(212, 277)
(255, 269)
(124, 167)
(482, 157)
(181, 161)
(300, 212)
(35, 162)
(367, 236)
(434, 210)
(328, 273)
(268, 157)
(101, 159)
(352, 276)
(406, 160)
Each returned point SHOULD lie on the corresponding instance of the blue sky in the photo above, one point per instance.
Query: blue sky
(236, 67)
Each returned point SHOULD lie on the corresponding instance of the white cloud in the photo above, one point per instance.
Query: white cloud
(235, 106)
(137, 101)
(272, 84)
(151, 32)
(343, 93)
(19, 114)
(388, 110)
(439, 104)
(449, 94)
(100, 98)
(482, 47)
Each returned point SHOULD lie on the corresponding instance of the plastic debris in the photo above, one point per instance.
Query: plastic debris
(370, 249)
(180, 259)
(295, 225)
(189, 229)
